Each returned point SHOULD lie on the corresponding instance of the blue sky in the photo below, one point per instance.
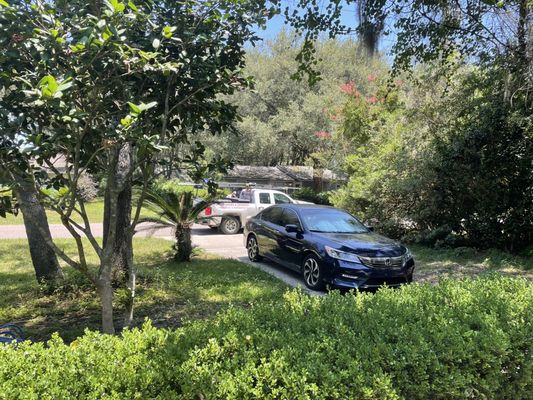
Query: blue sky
(277, 23)
(348, 18)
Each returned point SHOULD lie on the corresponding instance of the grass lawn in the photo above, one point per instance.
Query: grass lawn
(169, 293)
(95, 212)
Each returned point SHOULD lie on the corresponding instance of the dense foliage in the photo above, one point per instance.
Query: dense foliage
(285, 121)
(466, 339)
(448, 168)
(442, 157)
(308, 194)
(106, 86)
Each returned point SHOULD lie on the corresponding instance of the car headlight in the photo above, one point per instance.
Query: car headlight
(341, 255)
(407, 256)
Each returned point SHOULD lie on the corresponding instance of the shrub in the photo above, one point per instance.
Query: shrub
(308, 194)
(440, 237)
(460, 339)
(163, 185)
(390, 228)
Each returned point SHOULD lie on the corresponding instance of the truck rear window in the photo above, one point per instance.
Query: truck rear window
(264, 198)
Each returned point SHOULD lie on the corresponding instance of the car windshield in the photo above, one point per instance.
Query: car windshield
(331, 221)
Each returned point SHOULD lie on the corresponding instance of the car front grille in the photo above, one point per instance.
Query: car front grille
(384, 262)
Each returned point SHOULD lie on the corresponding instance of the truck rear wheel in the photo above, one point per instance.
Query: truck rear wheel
(230, 225)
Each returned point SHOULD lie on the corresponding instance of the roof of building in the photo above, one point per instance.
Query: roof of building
(251, 173)
(287, 173)
(298, 172)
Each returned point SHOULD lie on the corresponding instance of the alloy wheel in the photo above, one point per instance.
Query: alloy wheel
(253, 248)
(311, 272)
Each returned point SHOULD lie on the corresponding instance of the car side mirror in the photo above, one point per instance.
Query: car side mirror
(292, 228)
(370, 228)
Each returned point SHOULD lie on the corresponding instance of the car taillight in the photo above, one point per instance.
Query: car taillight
(208, 211)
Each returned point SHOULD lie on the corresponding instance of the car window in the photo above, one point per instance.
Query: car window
(281, 198)
(264, 198)
(331, 220)
(273, 215)
(263, 215)
(289, 217)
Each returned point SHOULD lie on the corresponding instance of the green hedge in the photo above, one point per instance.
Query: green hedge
(308, 194)
(458, 340)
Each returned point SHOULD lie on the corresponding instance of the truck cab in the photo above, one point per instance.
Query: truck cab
(230, 214)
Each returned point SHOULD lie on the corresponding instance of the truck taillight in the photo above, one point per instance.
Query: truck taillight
(208, 211)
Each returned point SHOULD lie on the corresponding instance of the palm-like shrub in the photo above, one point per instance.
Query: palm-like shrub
(178, 211)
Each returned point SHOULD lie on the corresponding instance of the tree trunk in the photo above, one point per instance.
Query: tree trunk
(183, 242)
(44, 259)
(121, 261)
(122, 246)
(105, 290)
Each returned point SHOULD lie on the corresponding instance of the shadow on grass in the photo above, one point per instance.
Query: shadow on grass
(434, 264)
(168, 293)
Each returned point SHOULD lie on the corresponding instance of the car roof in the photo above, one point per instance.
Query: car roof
(305, 206)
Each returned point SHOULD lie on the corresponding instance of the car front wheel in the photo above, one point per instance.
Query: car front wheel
(253, 249)
(313, 273)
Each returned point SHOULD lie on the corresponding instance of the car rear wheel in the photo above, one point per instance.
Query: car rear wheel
(313, 273)
(230, 225)
(253, 249)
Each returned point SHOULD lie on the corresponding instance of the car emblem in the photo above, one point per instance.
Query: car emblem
(387, 262)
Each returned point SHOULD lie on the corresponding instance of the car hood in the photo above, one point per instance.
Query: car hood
(366, 244)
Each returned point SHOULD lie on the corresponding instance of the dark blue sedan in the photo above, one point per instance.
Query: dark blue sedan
(327, 246)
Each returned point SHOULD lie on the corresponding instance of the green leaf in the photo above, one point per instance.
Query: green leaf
(66, 84)
(115, 6)
(48, 86)
(156, 42)
(126, 121)
(144, 107)
(132, 6)
(167, 31)
(146, 56)
(100, 24)
(134, 108)
(4, 3)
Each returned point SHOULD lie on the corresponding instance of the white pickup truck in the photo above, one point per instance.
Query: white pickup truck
(230, 214)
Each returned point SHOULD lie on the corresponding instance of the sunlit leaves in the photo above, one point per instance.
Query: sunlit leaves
(115, 6)
(168, 30)
(48, 86)
(132, 6)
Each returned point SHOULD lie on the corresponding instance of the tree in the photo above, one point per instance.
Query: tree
(178, 211)
(106, 88)
(26, 197)
(445, 181)
(285, 121)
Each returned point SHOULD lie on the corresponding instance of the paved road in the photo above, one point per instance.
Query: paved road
(229, 246)
(60, 232)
